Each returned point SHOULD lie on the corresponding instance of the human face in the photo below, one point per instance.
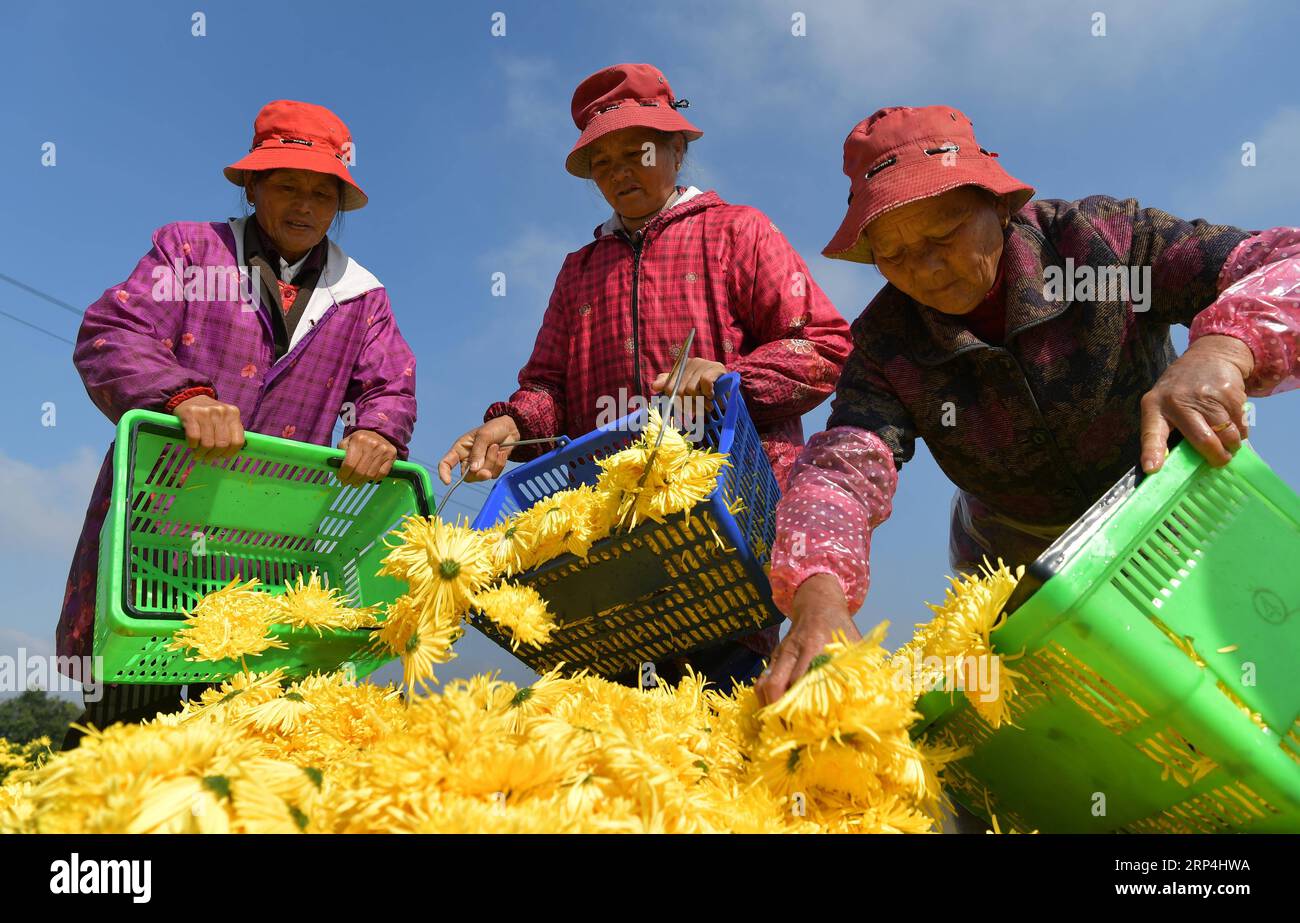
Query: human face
(635, 179)
(942, 251)
(294, 208)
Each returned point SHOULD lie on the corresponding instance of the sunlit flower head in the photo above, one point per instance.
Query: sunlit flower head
(444, 563)
(230, 623)
(309, 604)
(519, 611)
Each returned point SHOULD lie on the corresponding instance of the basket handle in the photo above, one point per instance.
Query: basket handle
(170, 425)
(1175, 437)
(1041, 569)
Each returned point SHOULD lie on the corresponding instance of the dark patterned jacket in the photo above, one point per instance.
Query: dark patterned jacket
(1037, 429)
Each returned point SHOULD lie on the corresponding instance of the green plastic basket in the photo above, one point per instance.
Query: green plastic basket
(1148, 633)
(274, 511)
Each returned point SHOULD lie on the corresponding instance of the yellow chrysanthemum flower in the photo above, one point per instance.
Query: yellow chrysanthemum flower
(954, 650)
(681, 475)
(233, 698)
(518, 610)
(230, 623)
(562, 522)
(422, 638)
(510, 547)
(444, 563)
(311, 605)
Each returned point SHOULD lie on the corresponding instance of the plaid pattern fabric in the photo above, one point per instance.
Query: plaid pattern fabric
(1032, 432)
(723, 269)
(135, 350)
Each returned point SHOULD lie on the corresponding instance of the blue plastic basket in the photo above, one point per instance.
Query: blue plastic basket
(663, 589)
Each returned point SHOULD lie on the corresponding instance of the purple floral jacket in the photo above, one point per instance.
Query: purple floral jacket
(169, 328)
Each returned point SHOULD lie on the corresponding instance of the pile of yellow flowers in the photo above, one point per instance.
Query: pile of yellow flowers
(452, 568)
(569, 753)
(15, 756)
(566, 754)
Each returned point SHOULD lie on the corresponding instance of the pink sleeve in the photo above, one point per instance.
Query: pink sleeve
(840, 489)
(1259, 304)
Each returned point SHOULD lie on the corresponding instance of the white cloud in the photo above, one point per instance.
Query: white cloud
(1265, 194)
(44, 506)
(866, 55)
(531, 260)
(507, 327)
(537, 103)
(12, 640)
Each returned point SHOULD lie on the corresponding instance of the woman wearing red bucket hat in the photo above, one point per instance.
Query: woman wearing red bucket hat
(1027, 342)
(260, 323)
(669, 259)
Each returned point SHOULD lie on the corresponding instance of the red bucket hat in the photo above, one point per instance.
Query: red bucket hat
(902, 154)
(300, 136)
(620, 97)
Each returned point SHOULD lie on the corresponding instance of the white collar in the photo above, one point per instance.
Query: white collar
(342, 279)
(289, 273)
(615, 224)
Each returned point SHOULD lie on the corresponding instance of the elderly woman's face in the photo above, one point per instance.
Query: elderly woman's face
(295, 208)
(942, 251)
(636, 169)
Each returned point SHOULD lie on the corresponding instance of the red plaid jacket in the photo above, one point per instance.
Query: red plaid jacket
(723, 269)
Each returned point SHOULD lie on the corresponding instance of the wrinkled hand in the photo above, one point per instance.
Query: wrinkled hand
(820, 611)
(1201, 391)
(479, 451)
(698, 376)
(368, 456)
(212, 429)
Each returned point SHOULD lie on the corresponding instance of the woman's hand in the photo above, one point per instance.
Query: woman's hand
(212, 429)
(820, 610)
(698, 377)
(368, 456)
(480, 449)
(1203, 395)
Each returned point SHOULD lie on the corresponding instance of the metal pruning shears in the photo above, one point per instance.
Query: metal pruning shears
(437, 513)
(675, 378)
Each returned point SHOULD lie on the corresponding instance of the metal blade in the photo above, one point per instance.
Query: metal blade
(678, 370)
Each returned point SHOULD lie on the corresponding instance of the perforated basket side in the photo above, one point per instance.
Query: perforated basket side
(574, 462)
(178, 529)
(663, 589)
(1154, 675)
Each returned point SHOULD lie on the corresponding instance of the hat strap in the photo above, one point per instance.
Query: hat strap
(306, 142)
(672, 104)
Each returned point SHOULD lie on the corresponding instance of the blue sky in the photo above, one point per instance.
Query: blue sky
(461, 138)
